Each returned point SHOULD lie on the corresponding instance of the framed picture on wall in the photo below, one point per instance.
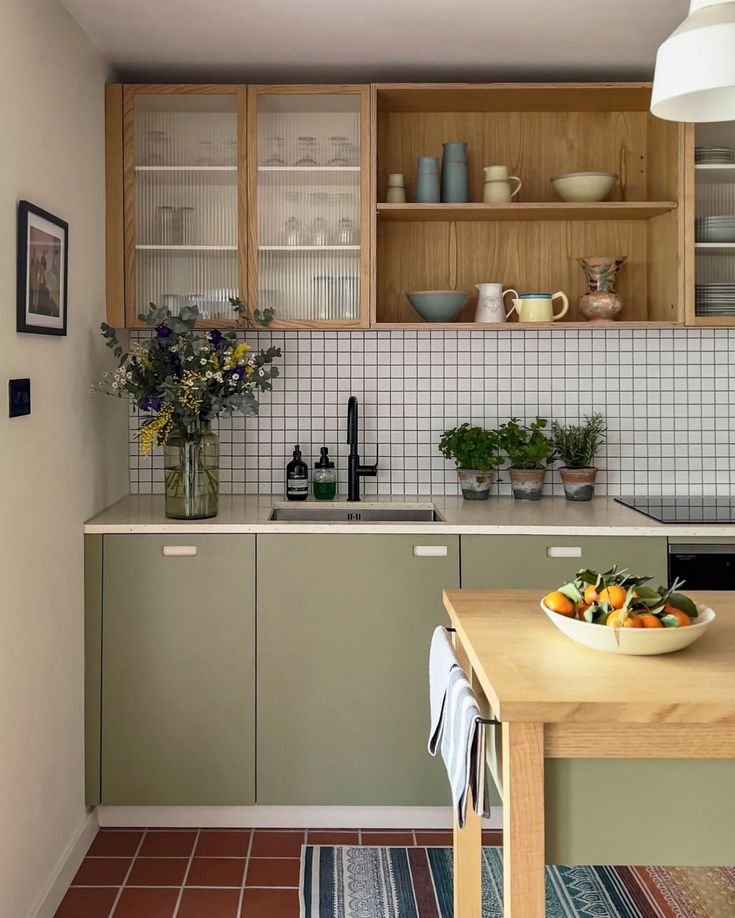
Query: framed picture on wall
(43, 259)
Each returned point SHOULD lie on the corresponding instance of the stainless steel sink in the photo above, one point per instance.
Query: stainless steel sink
(355, 513)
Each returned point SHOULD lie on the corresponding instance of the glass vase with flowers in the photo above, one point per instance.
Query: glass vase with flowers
(180, 380)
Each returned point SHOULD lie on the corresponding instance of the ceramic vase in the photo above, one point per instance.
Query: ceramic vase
(601, 303)
(579, 484)
(455, 180)
(396, 193)
(428, 189)
(474, 483)
(527, 484)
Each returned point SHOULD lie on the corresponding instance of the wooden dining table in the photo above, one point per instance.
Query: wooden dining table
(555, 699)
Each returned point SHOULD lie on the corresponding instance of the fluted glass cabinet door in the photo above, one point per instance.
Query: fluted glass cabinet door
(309, 167)
(184, 169)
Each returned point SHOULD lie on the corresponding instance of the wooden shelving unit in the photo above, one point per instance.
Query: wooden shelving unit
(538, 131)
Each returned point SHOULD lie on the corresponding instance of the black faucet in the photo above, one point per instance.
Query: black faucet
(355, 471)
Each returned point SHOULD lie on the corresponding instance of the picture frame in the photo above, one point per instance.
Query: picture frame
(42, 271)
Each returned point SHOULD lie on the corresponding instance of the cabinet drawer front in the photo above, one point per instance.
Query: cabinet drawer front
(544, 562)
(178, 683)
(344, 627)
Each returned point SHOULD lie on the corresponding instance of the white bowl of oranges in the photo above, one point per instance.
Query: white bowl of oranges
(617, 612)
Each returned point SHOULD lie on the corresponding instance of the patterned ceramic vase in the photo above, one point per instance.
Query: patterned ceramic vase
(475, 484)
(601, 303)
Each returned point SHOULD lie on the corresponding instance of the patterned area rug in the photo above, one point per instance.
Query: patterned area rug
(345, 882)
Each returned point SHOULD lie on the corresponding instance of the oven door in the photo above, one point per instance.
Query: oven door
(702, 566)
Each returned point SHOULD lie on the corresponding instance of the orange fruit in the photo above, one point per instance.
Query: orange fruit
(614, 596)
(620, 619)
(590, 595)
(648, 620)
(560, 603)
(581, 609)
(682, 619)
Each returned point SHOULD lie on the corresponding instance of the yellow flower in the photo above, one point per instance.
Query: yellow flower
(250, 371)
(214, 362)
(239, 352)
(157, 431)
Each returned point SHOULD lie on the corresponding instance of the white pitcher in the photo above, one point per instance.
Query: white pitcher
(496, 189)
(491, 303)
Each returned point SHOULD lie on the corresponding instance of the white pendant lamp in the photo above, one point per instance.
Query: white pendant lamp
(695, 66)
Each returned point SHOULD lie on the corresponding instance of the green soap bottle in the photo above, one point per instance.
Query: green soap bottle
(324, 480)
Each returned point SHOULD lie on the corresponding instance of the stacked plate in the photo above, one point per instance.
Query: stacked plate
(715, 229)
(714, 299)
(714, 156)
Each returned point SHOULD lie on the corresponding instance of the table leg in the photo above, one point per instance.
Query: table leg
(468, 866)
(523, 820)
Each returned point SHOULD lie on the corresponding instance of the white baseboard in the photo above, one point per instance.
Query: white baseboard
(67, 866)
(286, 817)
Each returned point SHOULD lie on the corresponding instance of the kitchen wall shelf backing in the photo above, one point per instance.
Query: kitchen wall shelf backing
(538, 132)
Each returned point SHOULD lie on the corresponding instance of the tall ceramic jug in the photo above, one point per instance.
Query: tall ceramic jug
(538, 307)
(455, 180)
(491, 303)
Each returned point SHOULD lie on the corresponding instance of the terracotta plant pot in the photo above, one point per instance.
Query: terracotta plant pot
(579, 484)
(527, 484)
(475, 484)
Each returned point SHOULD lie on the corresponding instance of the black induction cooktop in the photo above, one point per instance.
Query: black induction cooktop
(684, 509)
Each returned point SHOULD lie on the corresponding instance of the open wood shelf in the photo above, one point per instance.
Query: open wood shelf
(518, 326)
(553, 210)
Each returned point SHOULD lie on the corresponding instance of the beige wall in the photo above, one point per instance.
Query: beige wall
(63, 462)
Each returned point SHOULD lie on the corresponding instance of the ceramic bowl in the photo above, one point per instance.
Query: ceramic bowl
(438, 305)
(584, 187)
(637, 642)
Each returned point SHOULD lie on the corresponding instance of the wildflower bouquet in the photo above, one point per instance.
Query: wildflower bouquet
(181, 380)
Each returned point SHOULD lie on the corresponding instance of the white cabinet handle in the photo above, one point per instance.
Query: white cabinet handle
(430, 551)
(179, 551)
(564, 551)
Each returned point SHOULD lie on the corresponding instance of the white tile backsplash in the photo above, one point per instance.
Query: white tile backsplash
(668, 396)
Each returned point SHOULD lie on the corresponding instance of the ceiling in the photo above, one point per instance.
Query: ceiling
(378, 40)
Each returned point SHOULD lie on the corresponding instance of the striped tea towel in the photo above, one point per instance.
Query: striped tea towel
(463, 746)
(442, 659)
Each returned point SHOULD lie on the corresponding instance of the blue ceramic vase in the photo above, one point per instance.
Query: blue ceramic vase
(427, 180)
(454, 184)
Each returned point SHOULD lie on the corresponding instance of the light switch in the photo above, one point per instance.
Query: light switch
(19, 392)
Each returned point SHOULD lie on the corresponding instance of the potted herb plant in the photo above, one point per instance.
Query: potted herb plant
(181, 380)
(577, 445)
(476, 453)
(530, 452)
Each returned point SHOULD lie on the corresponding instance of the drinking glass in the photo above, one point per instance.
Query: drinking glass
(292, 231)
(319, 231)
(277, 146)
(344, 231)
(307, 151)
(155, 148)
(340, 151)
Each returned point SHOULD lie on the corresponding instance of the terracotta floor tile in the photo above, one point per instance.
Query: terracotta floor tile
(435, 839)
(270, 903)
(115, 843)
(332, 837)
(216, 871)
(168, 843)
(147, 903)
(86, 903)
(223, 843)
(209, 903)
(158, 871)
(387, 838)
(102, 871)
(277, 844)
(273, 871)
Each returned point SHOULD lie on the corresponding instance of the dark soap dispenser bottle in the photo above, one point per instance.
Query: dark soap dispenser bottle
(297, 477)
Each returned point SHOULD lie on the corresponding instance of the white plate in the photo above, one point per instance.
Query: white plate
(637, 642)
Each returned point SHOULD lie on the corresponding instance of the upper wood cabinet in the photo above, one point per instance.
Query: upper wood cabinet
(176, 202)
(277, 193)
(309, 171)
(189, 221)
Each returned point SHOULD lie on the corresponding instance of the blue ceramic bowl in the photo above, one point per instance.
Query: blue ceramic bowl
(438, 305)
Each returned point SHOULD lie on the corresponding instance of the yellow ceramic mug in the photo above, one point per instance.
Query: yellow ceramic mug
(538, 307)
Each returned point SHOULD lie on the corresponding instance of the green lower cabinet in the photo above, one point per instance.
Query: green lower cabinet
(344, 626)
(526, 562)
(178, 670)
